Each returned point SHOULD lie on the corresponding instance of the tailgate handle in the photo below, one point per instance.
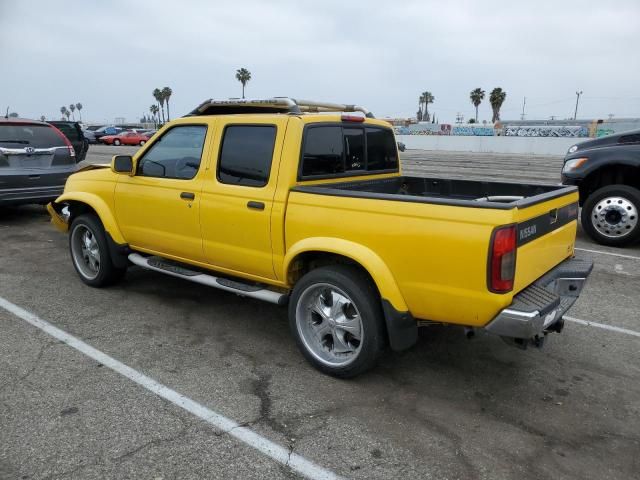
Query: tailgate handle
(255, 205)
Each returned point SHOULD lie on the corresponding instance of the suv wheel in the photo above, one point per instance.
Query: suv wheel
(336, 318)
(90, 252)
(116, 142)
(610, 215)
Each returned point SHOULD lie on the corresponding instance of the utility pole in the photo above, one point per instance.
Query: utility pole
(575, 114)
(524, 102)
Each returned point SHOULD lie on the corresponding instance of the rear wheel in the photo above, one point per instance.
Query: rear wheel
(336, 318)
(610, 215)
(142, 142)
(90, 252)
(116, 142)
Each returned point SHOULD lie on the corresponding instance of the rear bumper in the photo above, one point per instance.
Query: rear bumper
(538, 309)
(18, 196)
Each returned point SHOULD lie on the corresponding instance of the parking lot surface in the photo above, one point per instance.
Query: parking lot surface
(449, 408)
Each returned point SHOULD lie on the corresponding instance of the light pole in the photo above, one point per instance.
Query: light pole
(575, 114)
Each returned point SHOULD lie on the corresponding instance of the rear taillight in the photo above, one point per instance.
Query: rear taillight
(66, 141)
(502, 259)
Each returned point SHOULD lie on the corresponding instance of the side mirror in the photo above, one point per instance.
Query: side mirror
(122, 164)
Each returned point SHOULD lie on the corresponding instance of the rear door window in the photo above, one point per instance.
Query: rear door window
(36, 136)
(246, 154)
(323, 150)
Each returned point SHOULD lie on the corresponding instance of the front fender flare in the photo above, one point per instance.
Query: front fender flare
(101, 208)
(364, 256)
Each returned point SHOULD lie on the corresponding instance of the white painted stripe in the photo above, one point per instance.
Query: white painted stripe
(265, 446)
(608, 253)
(603, 326)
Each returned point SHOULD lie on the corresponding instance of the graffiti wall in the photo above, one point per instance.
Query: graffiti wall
(445, 129)
(546, 131)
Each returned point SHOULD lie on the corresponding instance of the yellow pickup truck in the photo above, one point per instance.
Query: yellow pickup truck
(304, 203)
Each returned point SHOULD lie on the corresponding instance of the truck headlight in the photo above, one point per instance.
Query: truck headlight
(573, 149)
(573, 164)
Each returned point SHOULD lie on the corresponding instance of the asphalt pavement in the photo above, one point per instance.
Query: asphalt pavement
(449, 408)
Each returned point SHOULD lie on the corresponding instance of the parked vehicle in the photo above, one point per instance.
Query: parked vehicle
(93, 128)
(125, 138)
(607, 173)
(312, 210)
(35, 160)
(104, 131)
(75, 135)
(90, 136)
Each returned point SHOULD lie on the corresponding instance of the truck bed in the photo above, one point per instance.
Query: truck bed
(468, 193)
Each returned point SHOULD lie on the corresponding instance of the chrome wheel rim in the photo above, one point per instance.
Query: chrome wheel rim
(329, 324)
(85, 252)
(614, 217)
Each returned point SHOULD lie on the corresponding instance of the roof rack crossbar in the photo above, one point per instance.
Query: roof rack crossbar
(275, 104)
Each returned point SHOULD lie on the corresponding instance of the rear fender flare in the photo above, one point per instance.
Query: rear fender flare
(365, 257)
(101, 208)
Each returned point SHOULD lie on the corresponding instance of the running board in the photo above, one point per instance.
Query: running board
(175, 269)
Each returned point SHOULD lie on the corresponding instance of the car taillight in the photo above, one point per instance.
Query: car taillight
(66, 141)
(502, 260)
(345, 117)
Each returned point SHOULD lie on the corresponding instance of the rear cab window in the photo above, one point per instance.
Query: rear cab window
(338, 150)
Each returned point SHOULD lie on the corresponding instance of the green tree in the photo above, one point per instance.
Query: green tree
(166, 94)
(14, 115)
(63, 111)
(157, 94)
(42, 118)
(497, 98)
(427, 98)
(79, 107)
(154, 111)
(72, 107)
(476, 96)
(243, 76)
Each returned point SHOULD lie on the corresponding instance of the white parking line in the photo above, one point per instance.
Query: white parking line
(608, 253)
(603, 326)
(265, 446)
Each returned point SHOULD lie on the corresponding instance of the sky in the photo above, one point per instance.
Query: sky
(110, 55)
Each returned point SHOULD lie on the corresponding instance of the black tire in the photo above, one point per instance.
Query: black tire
(107, 273)
(363, 295)
(117, 142)
(629, 229)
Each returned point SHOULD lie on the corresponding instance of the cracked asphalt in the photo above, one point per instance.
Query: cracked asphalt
(449, 408)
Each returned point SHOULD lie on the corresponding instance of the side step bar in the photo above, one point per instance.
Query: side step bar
(175, 269)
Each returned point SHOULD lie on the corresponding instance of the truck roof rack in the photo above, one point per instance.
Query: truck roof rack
(272, 105)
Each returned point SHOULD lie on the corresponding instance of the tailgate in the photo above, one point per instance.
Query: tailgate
(546, 233)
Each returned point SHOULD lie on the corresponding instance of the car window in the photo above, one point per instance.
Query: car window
(36, 136)
(245, 155)
(632, 138)
(69, 131)
(323, 150)
(332, 150)
(177, 154)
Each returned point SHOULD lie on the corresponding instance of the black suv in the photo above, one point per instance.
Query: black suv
(73, 132)
(607, 173)
(35, 161)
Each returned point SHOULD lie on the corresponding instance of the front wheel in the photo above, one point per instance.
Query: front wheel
(610, 215)
(336, 318)
(90, 252)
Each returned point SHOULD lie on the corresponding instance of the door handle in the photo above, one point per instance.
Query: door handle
(187, 195)
(255, 205)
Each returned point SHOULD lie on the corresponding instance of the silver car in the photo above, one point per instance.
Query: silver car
(35, 161)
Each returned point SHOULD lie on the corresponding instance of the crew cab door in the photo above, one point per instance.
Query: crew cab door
(157, 209)
(237, 197)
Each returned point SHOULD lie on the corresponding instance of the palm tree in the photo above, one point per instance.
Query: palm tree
(67, 113)
(243, 76)
(157, 94)
(166, 94)
(154, 111)
(476, 96)
(63, 111)
(72, 107)
(79, 107)
(427, 98)
(496, 98)
(42, 118)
